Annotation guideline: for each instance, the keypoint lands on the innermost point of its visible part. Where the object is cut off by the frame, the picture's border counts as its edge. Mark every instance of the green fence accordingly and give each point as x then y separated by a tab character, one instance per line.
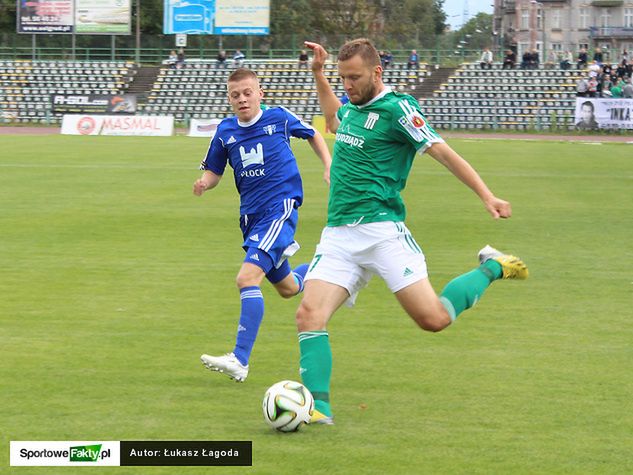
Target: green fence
155	48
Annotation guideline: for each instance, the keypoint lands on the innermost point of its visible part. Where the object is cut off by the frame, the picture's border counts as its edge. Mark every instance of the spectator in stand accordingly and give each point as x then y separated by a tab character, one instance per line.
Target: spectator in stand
629	68
220	61
534	59
627	90
172	59
525	60
594	69
486	59
180	62
388	58
238	58
597	56
414	60
509	59
566	60
605	86
552	60
582	59
382	55
592	87
582	87
303	59
620	71
616	89
587	118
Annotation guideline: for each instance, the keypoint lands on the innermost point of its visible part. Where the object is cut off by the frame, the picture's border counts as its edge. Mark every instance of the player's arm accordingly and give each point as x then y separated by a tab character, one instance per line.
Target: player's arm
327	99
207	181
459	167
320	147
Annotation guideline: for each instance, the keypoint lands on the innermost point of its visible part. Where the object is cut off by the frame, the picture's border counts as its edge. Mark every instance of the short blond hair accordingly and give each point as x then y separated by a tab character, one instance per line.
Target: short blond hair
242	73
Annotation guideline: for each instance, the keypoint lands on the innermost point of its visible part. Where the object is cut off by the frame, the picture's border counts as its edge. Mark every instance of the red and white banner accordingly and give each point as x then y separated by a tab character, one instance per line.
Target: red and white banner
158	126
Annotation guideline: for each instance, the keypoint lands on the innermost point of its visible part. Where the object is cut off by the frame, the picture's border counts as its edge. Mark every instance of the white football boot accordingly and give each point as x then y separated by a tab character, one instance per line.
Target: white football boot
227	364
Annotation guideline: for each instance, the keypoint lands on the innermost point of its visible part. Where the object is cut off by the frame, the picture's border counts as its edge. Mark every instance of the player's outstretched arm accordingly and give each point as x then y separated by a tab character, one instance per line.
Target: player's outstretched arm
459	167
207	181
327	99
320	147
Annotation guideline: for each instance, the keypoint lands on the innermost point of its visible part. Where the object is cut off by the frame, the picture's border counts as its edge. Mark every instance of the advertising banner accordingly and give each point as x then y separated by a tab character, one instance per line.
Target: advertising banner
117	125
601	113
203	127
82	124
45	16
94	103
108	17
193	17
246	17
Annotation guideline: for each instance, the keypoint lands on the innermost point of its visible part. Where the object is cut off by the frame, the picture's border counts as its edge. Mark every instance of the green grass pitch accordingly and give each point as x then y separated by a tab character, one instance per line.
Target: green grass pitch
115	278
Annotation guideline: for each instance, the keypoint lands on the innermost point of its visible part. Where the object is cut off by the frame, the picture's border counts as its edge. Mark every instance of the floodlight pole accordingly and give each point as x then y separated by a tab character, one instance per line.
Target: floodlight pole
138	31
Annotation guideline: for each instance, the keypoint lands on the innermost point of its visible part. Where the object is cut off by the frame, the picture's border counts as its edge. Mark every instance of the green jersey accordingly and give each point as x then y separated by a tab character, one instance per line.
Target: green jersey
375	146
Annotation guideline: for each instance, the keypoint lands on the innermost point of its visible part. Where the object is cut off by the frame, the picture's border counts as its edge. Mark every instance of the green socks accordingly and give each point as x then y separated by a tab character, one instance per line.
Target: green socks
316	367
465	290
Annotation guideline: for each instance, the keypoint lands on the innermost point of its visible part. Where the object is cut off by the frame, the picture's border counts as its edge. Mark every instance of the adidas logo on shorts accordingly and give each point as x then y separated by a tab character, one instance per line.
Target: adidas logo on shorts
407	272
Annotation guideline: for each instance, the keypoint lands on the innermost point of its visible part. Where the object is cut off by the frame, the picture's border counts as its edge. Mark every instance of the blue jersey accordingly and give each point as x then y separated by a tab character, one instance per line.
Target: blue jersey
259	152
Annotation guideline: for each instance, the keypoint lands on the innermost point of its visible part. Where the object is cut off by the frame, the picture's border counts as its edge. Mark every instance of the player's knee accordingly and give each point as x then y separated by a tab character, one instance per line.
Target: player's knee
246	280
434	322
308	318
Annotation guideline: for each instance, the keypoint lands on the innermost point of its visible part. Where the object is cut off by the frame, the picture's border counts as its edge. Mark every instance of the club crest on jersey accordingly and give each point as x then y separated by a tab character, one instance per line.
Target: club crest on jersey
254	157
372	118
270	129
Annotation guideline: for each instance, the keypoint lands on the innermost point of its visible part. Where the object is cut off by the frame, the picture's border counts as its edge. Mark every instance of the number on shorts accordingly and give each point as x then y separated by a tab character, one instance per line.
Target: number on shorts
315	261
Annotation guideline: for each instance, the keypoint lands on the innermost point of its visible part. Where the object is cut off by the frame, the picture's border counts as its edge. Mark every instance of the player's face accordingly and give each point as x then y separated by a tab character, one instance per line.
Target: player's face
245	97
360	80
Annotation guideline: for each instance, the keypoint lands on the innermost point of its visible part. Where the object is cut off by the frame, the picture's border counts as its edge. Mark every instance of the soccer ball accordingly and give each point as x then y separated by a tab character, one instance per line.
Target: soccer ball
287	405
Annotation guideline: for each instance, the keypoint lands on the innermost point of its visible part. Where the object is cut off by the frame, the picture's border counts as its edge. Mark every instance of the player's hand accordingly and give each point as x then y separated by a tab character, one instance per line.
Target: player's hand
199	187
326	175
498	208
320	55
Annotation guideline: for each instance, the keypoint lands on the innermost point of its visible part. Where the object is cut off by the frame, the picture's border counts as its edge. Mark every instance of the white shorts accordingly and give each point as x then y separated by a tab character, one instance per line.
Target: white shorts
349	256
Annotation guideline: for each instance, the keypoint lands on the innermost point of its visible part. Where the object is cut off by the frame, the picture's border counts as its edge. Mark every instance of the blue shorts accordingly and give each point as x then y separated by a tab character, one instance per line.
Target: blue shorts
269	237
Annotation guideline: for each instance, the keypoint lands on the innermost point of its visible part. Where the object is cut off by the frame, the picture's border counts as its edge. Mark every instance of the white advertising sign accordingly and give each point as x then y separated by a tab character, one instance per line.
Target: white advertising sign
203	127
117	125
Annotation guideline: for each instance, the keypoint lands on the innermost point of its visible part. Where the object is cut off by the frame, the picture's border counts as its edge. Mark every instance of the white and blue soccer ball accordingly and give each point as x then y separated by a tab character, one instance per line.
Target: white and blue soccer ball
287	405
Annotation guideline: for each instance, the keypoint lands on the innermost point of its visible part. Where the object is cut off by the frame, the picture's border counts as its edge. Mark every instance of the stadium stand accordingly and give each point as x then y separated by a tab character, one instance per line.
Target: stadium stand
506	99
471	98
26	86
199	90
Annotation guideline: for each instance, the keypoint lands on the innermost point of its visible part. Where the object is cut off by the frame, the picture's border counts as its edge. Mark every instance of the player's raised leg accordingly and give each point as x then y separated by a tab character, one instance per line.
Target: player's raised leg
288	282
463	292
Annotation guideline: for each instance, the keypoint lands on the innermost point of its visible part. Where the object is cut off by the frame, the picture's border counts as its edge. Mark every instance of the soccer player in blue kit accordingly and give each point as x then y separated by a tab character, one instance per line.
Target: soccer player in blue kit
256	144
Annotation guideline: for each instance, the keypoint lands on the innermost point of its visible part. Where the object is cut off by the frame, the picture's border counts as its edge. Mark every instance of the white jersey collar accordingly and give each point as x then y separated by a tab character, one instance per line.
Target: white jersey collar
252	121
380	95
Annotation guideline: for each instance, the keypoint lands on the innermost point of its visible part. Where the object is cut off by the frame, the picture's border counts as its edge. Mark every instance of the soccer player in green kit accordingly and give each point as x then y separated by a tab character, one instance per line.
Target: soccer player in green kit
378	134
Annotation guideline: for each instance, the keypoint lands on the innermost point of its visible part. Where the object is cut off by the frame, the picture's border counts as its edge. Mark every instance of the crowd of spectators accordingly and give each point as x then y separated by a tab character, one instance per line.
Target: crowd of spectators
606	79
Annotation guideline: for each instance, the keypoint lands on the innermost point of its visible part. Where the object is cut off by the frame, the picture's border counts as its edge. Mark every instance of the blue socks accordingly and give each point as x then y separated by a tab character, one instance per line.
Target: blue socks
250	320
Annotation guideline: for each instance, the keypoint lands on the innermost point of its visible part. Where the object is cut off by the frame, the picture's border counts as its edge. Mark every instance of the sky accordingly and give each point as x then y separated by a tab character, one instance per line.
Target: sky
455	9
